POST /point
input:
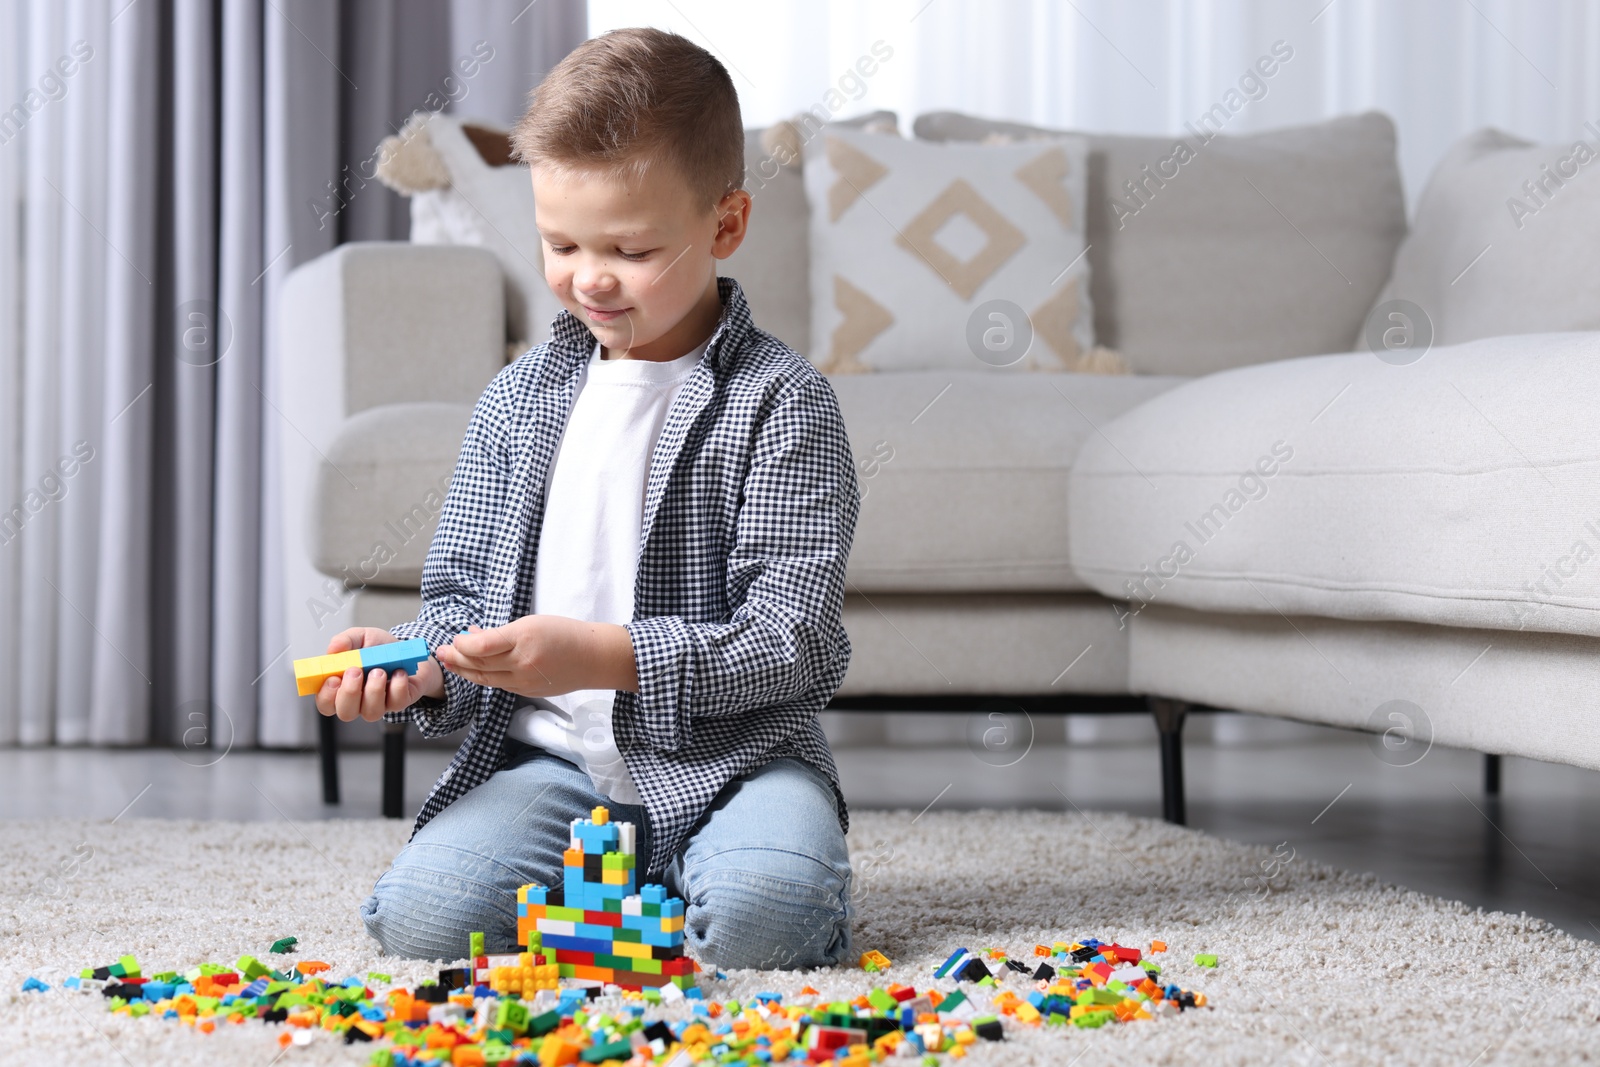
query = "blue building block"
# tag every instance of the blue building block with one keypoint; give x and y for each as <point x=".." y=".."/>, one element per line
<point x="595" y="839"/>
<point x="951" y="961"/>
<point x="395" y="656"/>
<point x="595" y="931"/>
<point x="574" y="894"/>
<point x="33" y="985"/>
<point x="660" y="938"/>
<point x="576" y="944"/>
<point x="653" y="894"/>
<point x="537" y="895"/>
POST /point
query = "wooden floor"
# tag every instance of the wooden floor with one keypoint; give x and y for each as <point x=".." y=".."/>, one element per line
<point x="1321" y="793"/>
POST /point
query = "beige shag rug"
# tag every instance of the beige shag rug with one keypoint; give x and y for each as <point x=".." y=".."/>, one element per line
<point x="1317" y="966"/>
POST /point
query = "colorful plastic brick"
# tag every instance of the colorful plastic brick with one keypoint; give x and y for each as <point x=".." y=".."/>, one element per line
<point x="596" y="926"/>
<point x="310" y="673"/>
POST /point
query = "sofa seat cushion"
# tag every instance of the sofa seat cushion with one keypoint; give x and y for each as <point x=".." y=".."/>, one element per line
<point x="963" y="479"/>
<point x="963" y="474"/>
<point x="1458" y="490"/>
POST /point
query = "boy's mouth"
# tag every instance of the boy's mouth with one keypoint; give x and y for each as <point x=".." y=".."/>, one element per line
<point x="604" y="314"/>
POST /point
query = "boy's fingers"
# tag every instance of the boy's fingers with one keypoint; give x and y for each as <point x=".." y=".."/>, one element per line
<point x="399" y="691"/>
<point x="347" y="701"/>
<point x="480" y="644"/>
<point x="330" y="686"/>
<point x="376" y="694"/>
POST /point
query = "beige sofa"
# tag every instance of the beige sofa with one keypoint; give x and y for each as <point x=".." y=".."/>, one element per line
<point x="1016" y="547"/>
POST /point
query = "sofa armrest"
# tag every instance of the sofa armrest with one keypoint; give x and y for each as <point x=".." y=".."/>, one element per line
<point x="381" y="322"/>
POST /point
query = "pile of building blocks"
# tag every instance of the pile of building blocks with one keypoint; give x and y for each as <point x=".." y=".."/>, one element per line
<point x="463" y="1021"/>
<point x="1087" y="983"/>
<point x="596" y="926"/>
<point x="309" y="674"/>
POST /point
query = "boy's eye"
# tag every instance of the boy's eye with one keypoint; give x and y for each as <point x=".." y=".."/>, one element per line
<point x="567" y="250"/>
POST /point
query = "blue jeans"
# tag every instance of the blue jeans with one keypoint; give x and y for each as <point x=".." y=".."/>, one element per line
<point x="764" y="875"/>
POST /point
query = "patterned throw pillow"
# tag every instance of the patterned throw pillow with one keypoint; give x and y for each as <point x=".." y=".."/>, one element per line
<point x="947" y="256"/>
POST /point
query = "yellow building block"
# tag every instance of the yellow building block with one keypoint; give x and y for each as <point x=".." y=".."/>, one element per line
<point x="309" y="674"/>
<point x="671" y="924"/>
<point x="614" y="877"/>
<point x="630" y="949"/>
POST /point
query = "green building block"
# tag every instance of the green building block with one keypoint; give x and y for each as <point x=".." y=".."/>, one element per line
<point x="617" y="1050"/>
<point x="380" y="977"/>
<point x="953" y="1001"/>
<point x="1094" y="1019"/>
<point x="539" y="1025"/>
<point x="475" y="944"/>
<point x="1206" y="959"/>
<point x="284" y="944"/>
<point x="882" y="1000"/>
<point x="251" y="968"/>
<point x="513" y="1016"/>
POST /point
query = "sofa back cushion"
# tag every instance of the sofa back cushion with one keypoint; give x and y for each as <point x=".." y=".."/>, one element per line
<point x="1234" y="250"/>
<point x="947" y="256"/>
<point x="1505" y="240"/>
<point x="773" y="265"/>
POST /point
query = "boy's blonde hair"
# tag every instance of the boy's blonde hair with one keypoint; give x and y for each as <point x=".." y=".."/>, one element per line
<point x="631" y="99"/>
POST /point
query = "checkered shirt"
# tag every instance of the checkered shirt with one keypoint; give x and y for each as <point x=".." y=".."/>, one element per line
<point x="750" y="509"/>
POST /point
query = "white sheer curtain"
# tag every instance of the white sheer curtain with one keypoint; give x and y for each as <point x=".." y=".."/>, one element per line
<point x="1439" y="67"/>
<point x="163" y="165"/>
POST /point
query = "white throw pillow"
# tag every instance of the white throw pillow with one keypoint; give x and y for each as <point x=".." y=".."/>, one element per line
<point x="1505" y="240"/>
<point x="947" y="256"/>
<point x="492" y="208"/>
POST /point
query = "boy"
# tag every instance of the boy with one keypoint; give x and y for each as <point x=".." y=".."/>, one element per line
<point x="636" y="585"/>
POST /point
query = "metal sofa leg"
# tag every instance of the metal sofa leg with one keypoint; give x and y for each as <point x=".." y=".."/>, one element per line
<point x="394" y="769"/>
<point x="328" y="750"/>
<point x="1169" y="716"/>
<point x="1491" y="774"/>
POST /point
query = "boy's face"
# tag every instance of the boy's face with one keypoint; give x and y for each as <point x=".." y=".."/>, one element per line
<point x="634" y="260"/>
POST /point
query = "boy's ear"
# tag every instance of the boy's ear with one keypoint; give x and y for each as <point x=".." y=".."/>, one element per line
<point x="733" y="222"/>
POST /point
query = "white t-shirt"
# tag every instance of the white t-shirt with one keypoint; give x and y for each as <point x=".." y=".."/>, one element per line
<point x="588" y="554"/>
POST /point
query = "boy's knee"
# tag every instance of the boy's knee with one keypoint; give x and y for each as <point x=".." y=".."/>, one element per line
<point x="425" y="907"/>
<point x="791" y="914"/>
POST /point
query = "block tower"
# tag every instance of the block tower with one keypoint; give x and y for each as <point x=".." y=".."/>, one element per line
<point x="596" y="926"/>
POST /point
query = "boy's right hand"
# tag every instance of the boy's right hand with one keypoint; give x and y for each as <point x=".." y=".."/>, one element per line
<point x="348" y="696"/>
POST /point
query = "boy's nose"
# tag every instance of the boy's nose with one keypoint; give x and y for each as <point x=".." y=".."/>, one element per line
<point x="595" y="279"/>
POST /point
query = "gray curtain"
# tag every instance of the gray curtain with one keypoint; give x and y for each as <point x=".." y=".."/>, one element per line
<point x="165" y="165"/>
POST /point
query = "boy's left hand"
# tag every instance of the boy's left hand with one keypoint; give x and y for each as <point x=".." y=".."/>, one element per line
<point x="543" y="656"/>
